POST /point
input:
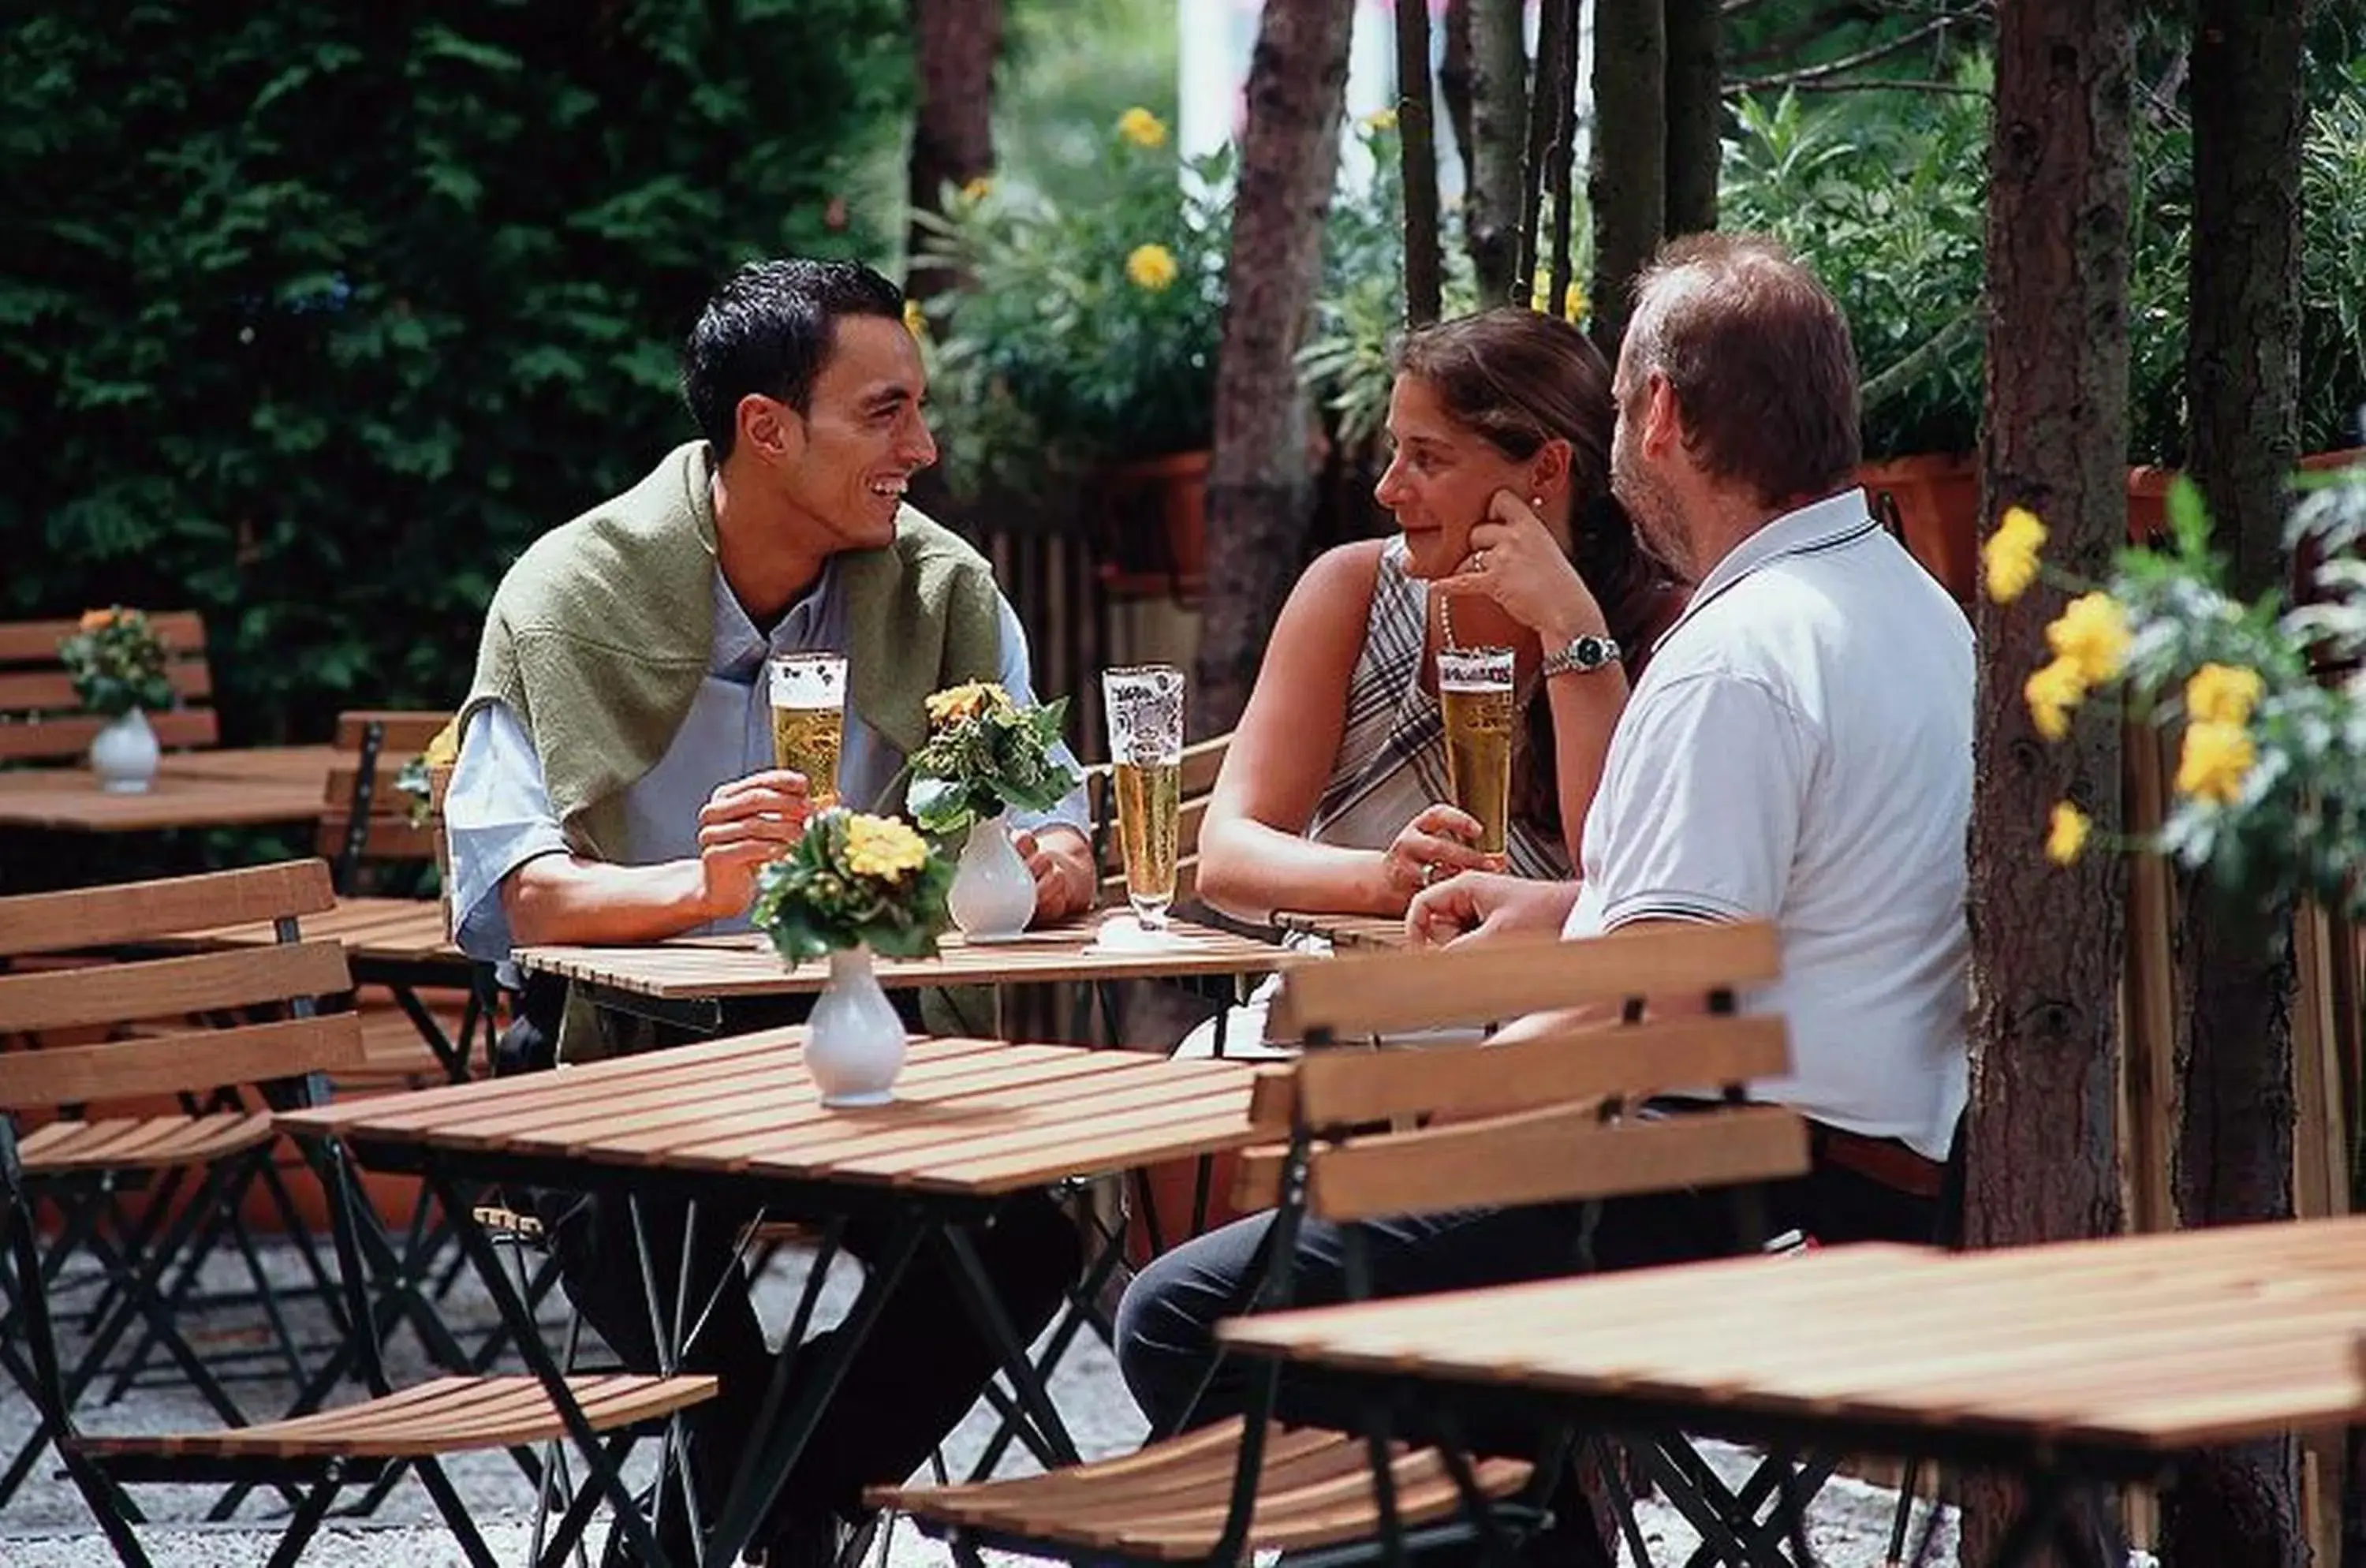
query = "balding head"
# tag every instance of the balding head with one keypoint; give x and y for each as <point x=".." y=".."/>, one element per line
<point x="1757" y="356"/>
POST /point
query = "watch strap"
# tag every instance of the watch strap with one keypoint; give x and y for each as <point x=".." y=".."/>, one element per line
<point x="1582" y="655"/>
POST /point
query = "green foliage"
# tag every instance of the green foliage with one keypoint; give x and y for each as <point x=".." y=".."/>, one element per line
<point x="1087" y="334"/>
<point x="855" y="881"/>
<point x="314" y="315"/>
<point x="116" y="662"/>
<point x="985" y="755"/>
<point x="1889" y="208"/>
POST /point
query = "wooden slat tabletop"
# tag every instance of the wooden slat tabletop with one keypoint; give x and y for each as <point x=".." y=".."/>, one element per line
<point x="1362" y="932"/>
<point x="274" y="764"/>
<point x="2152" y="1343"/>
<point x="391" y="929"/>
<point x="185" y="794"/>
<point x="971" y="1117"/>
<point x="697" y="969"/>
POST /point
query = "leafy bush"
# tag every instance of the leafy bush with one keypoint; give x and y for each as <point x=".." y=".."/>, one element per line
<point x="312" y="316"/>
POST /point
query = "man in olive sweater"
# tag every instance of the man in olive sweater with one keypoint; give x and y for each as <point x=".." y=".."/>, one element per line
<point x="616" y="785"/>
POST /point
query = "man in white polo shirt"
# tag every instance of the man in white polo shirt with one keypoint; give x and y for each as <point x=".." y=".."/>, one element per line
<point x="1798" y="748"/>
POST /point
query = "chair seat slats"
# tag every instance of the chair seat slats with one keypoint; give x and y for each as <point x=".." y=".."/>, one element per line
<point x="146" y="1143"/>
<point x="1167" y="1501"/>
<point x="445" y="1416"/>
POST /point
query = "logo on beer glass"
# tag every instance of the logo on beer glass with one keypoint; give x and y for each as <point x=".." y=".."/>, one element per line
<point x="809" y="692"/>
<point x="1144" y="707"/>
<point x="1474" y="688"/>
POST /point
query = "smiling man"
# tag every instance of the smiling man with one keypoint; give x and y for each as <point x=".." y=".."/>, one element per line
<point x="616" y="785"/>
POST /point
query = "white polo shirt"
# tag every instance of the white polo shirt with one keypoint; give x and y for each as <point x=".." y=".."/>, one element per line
<point x="1800" y="749"/>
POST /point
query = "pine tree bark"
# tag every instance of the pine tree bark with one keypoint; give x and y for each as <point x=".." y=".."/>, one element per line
<point x="1696" y="113"/>
<point x="1499" y="125"/>
<point x="2046" y="939"/>
<point x="2240" y="1507"/>
<point x="1627" y="184"/>
<point x="955" y="44"/>
<point x="1260" y="487"/>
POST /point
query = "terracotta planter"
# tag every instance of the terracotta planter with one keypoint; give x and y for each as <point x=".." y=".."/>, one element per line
<point x="1151" y="527"/>
<point x="2149" y="493"/>
<point x="1938" y="510"/>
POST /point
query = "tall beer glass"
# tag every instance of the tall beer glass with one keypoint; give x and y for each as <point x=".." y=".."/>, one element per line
<point x="1145" y="728"/>
<point x="1474" y="687"/>
<point x="809" y="720"/>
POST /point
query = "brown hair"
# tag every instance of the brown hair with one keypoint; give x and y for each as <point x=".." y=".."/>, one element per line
<point x="1758" y="355"/>
<point x="1518" y="379"/>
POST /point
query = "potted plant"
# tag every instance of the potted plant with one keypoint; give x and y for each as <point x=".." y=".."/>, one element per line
<point x="986" y="756"/>
<point x="854" y="885"/>
<point x="116" y="663"/>
<point x="1083" y="349"/>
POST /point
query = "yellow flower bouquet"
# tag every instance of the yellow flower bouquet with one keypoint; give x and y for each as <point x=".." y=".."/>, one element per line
<point x="984" y="755"/>
<point x="2271" y="745"/>
<point x="853" y="881"/>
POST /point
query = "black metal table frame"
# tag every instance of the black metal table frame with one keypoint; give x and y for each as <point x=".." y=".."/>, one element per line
<point x="2061" y="1482"/>
<point x="918" y="1219"/>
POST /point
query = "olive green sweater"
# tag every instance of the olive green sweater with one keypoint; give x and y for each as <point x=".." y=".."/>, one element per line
<point x="599" y="635"/>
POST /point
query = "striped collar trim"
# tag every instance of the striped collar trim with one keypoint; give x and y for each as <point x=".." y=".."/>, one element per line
<point x="1834" y="523"/>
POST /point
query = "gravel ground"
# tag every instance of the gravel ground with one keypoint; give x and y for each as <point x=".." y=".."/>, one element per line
<point x="46" y="1524"/>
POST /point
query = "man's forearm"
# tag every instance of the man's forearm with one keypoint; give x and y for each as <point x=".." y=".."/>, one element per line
<point x="562" y="899"/>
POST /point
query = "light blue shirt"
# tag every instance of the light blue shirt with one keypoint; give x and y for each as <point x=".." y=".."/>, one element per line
<point x="497" y="813"/>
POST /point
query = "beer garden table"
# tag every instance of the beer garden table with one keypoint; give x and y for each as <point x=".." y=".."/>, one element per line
<point x="693" y="983"/>
<point x="192" y="789"/>
<point x="2071" y="1366"/>
<point x="1364" y="933"/>
<point x="974" y="1122"/>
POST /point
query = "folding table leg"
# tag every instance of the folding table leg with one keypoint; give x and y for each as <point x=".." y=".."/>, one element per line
<point x="1083" y="1307"/>
<point x="977" y="1292"/>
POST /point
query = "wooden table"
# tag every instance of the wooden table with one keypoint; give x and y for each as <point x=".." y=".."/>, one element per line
<point x="2071" y="1365"/>
<point x="974" y="1122"/>
<point x="192" y="789"/>
<point x="1362" y="932"/>
<point x="688" y="981"/>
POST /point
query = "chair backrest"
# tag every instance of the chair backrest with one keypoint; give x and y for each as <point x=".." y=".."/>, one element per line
<point x="368" y="817"/>
<point x="40" y="718"/>
<point x="1202" y="760"/>
<point x="1560" y="1117"/>
<point x="287" y="979"/>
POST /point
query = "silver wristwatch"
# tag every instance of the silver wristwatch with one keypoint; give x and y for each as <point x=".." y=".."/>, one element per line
<point x="1582" y="656"/>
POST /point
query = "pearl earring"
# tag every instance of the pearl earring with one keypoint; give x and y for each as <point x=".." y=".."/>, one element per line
<point x="1536" y="504"/>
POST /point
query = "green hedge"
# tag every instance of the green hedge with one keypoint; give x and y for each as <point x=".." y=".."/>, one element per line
<point x="311" y="316"/>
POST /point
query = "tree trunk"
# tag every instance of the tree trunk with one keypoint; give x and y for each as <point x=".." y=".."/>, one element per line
<point x="2046" y="939"/>
<point x="1456" y="73"/>
<point x="955" y="43"/>
<point x="1627" y="184"/>
<point x="1260" y="489"/>
<point x="1499" y="124"/>
<point x="1695" y="114"/>
<point x="1417" y="145"/>
<point x="2240" y="1507"/>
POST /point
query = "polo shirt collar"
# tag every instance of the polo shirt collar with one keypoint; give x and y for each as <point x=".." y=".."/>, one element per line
<point x="1835" y="519"/>
<point x="739" y="649"/>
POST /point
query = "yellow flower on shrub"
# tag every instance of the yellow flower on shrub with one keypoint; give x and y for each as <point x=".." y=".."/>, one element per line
<point x="882" y="846"/>
<point x="2091" y="633"/>
<point x="2067" y="834"/>
<point x="2051" y="694"/>
<point x="2216" y="759"/>
<point x="977" y="190"/>
<point x="1380" y="119"/>
<point x="966" y="701"/>
<point x="1142" y="128"/>
<point x="444" y="747"/>
<point x="2009" y="555"/>
<point x="916" y="321"/>
<point x="2223" y="693"/>
<point x="1573" y="303"/>
<point x="1150" y="267"/>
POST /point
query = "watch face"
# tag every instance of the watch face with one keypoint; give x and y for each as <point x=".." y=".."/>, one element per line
<point x="1589" y="653"/>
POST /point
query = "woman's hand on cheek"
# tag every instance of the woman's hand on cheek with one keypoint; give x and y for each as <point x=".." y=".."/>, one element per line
<point x="1516" y="561"/>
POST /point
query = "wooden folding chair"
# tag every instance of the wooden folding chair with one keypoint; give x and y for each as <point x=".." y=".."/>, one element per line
<point x="285" y="1059"/>
<point x="42" y="719"/>
<point x="1552" y="1120"/>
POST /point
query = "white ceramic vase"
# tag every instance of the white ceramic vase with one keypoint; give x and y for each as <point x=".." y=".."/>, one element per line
<point x="993" y="895"/>
<point x="855" y="1041"/>
<point x="124" y="754"/>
